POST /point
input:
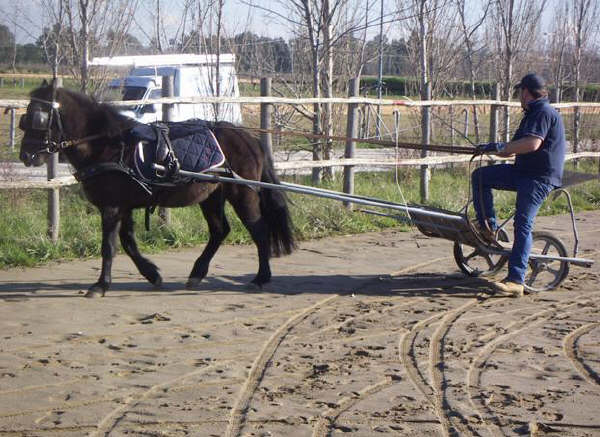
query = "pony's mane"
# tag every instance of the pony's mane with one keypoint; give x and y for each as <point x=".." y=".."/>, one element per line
<point x="103" y="114"/>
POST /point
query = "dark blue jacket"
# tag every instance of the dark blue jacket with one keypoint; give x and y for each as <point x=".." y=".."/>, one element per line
<point x="546" y="164"/>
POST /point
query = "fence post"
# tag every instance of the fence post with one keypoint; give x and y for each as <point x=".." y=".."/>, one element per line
<point x="53" y="193"/>
<point x="168" y="110"/>
<point x="494" y="115"/>
<point x="351" y="132"/>
<point x="425" y="140"/>
<point x="576" y="126"/>
<point x="452" y="133"/>
<point x="466" y="111"/>
<point x="12" y="128"/>
<point x="266" y="111"/>
<point x="367" y="121"/>
<point x="556" y="94"/>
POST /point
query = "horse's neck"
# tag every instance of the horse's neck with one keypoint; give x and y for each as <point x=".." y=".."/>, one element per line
<point x="96" y="149"/>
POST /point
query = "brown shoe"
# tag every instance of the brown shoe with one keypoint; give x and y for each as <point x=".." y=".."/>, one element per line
<point x="508" y="288"/>
<point x="485" y="233"/>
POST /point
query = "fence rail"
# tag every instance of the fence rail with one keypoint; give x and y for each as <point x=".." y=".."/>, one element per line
<point x="349" y="162"/>
<point x="65" y="181"/>
<point x="20" y="104"/>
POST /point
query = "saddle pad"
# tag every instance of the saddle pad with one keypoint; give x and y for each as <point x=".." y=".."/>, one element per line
<point x="193" y="143"/>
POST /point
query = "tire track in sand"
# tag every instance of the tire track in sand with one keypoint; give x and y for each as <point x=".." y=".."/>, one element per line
<point x="436" y="366"/>
<point x="327" y="420"/>
<point x="473" y="376"/>
<point x="406" y="346"/>
<point x="112" y="419"/>
<point x="239" y="410"/>
<point x="570" y="350"/>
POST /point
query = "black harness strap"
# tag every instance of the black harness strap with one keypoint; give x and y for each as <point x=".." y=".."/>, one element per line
<point x="104" y="167"/>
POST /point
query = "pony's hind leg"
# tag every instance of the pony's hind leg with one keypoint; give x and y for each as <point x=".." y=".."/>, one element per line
<point x="147" y="268"/>
<point x="246" y="203"/>
<point x="213" y="209"/>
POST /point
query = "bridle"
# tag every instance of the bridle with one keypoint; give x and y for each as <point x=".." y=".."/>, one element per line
<point x="41" y="120"/>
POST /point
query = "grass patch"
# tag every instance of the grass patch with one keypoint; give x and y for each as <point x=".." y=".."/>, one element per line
<point x="23" y="240"/>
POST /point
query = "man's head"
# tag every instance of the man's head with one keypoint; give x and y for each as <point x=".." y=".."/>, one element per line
<point x="531" y="87"/>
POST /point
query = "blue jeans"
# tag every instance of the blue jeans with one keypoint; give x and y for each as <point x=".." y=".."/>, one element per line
<point x="531" y="193"/>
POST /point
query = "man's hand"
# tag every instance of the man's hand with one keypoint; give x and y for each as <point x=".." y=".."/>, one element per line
<point x="481" y="149"/>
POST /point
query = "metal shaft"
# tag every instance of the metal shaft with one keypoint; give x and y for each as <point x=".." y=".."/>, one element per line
<point x="318" y="192"/>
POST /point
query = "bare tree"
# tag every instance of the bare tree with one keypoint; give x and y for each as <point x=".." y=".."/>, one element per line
<point x="583" y="21"/>
<point x="434" y="41"/>
<point x="515" y="24"/>
<point x="53" y="41"/>
<point x="88" y="23"/>
<point x="158" y="28"/>
<point x="472" y="47"/>
<point x="15" y="19"/>
<point x="557" y="48"/>
<point x="321" y="28"/>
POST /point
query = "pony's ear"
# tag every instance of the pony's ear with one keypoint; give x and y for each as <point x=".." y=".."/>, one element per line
<point x="44" y="82"/>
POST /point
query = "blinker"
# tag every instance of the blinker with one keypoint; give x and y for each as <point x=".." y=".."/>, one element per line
<point x="39" y="120"/>
<point x="36" y="120"/>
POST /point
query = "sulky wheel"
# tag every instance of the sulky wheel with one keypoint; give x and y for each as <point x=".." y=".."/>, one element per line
<point x="473" y="261"/>
<point x="544" y="275"/>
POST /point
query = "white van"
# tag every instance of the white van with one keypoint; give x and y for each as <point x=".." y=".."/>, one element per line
<point x="193" y="75"/>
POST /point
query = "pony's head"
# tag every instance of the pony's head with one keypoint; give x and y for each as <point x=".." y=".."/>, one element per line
<point x="41" y="125"/>
<point x="57" y="118"/>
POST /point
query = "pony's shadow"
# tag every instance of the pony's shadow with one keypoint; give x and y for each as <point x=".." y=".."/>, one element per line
<point x="409" y="285"/>
<point x="17" y="290"/>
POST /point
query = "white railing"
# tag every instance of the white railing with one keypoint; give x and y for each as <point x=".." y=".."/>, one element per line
<point x="266" y="101"/>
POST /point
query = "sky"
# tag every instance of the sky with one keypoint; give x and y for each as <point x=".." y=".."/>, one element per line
<point x="238" y="17"/>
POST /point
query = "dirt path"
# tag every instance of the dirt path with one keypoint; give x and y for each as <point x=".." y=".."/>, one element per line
<point x="362" y="335"/>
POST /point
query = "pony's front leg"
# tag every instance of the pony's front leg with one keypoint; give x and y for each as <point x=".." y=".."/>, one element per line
<point x="111" y="222"/>
<point x="145" y="266"/>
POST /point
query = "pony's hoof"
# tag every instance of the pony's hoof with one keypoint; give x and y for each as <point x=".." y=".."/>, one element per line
<point x="158" y="283"/>
<point x="253" y="286"/>
<point x="193" y="283"/>
<point x="94" y="292"/>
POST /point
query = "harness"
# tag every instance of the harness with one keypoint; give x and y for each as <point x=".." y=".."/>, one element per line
<point x="139" y="167"/>
<point x="41" y="120"/>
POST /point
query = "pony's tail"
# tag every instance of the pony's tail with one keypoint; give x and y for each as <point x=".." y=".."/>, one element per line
<point x="274" y="209"/>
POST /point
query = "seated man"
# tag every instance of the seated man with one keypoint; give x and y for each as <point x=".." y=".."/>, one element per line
<point x="539" y="146"/>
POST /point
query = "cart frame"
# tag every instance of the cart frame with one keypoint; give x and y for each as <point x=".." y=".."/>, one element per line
<point x="439" y="223"/>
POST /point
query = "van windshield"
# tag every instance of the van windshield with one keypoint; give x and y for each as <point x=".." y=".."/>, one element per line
<point x="133" y="93"/>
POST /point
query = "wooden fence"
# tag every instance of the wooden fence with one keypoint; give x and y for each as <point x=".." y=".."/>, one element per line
<point x="266" y="102"/>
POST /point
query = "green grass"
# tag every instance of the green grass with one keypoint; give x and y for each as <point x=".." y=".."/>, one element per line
<point x="23" y="240"/>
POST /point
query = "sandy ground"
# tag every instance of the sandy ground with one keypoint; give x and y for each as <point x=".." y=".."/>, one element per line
<point x="361" y="335"/>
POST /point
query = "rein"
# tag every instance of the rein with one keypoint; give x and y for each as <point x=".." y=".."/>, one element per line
<point x="415" y="146"/>
<point x="61" y="145"/>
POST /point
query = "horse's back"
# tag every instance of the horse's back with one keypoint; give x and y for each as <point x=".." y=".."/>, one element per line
<point x="242" y="150"/>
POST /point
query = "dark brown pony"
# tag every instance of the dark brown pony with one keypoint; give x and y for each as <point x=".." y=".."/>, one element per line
<point x="90" y="133"/>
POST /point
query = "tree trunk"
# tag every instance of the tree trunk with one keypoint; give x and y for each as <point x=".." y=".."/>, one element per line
<point x="425" y="95"/>
<point x="85" y="30"/>
<point x="218" y="53"/>
<point x="327" y="86"/>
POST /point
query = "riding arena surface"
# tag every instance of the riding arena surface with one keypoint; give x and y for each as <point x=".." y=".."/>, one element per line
<point x="364" y="335"/>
